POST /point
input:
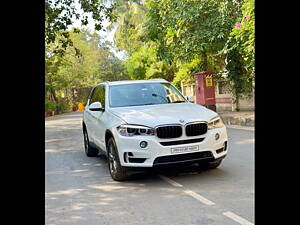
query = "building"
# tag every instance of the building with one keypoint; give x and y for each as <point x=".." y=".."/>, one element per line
<point x="224" y="97"/>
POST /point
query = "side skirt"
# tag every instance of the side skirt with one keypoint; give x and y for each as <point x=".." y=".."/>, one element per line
<point x="101" y="151"/>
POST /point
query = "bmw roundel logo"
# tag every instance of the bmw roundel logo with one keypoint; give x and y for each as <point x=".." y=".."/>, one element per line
<point x="181" y="121"/>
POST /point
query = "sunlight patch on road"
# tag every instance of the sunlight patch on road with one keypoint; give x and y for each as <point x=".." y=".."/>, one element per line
<point x="52" y="150"/>
<point x="58" y="139"/>
<point x="108" y="187"/>
<point x="66" y="192"/>
<point x="79" y="171"/>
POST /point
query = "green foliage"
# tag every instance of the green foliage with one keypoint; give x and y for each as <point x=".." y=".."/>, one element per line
<point x="239" y="52"/>
<point x="161" y="69"/>
<point x="170" y="39"/>
<point x="186" y="71"/>
<point x="143" y="64"/>
<point x="174" y="39"/>
<point x="67" y="75"/>
<point x="244" y="34"/>
<point x="129" y="33"/>
<point x="61" y="107"/>
<point x="59" y="15"/>
<point x="113" y="69"/>
<point x="50" y="106"/>
<point x="237" y="73"/>
<point x="140" y="62"/>
<point x="186" y="29"/>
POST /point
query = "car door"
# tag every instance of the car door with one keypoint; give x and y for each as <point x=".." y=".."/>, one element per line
<point x="88" y="116"/>
<point x="93" y="115"/>
<point x="99" y="130"/>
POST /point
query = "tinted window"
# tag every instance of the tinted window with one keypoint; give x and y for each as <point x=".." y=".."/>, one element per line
<point x="143" y="94"/>
<point x="98" y="95"/>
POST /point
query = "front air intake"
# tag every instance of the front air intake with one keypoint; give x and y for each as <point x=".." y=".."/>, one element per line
<point x="196" y="156"/>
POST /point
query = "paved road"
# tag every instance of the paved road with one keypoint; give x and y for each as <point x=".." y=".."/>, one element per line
<point x="79" y="189"/>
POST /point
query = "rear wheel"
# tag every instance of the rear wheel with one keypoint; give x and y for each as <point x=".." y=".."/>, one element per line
<point x="117" y="171"/>
<point x="89" y="151"/>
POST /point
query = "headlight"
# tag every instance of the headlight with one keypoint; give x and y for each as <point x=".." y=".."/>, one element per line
<point x="131" y="130"/>
<point x="215" y="122"/>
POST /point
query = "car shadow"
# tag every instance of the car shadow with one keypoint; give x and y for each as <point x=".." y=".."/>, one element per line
<point x="172" y="171"/>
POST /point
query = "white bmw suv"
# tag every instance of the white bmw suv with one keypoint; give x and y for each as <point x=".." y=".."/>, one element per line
<point x="149" y="123"/>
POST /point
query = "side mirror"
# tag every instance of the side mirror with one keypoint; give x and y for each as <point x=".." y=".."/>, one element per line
<point x="96" y="106"/>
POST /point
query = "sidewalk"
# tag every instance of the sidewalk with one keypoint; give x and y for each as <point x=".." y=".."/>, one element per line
<point x="238" y="118"/>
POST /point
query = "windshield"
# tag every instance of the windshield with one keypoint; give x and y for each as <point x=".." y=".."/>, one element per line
<point x="143" y="94"/>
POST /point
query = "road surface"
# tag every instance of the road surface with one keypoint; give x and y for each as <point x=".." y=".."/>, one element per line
<point x="79" y="189"/>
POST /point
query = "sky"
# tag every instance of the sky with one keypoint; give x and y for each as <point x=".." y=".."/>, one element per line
<point x="107" y="35"/>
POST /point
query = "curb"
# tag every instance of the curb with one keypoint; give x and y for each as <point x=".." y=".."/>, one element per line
<point x="240" y="121"/>
<point x="240" y="127"/>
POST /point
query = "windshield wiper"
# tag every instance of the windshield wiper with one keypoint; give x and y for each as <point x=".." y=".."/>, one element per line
<point x="178" y="101"/>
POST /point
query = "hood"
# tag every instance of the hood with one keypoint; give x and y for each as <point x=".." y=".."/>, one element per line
<point x="154" y="115"/>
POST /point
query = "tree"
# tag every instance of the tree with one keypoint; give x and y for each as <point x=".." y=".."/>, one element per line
<point x="68" y="73"/>
<point x="239" y="51"/>
<point x="187" y="29"/>
<point x="129" y="26"/>
<point x="59" y="15"/>
<point x="143" y="64"/>
<point x="173" y="39"/>
<point x="240" y="82"/>
<point x="140" y="61"/>
<point x="243" y="33"/>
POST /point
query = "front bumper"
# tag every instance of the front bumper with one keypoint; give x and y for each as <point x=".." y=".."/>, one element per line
<point x="145" y="157"/>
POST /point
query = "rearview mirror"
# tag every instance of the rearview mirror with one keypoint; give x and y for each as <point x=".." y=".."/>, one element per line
<point x="96" y="106"/>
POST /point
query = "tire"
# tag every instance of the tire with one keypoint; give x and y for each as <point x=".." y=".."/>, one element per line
<point x="89" y="150"/>
<point x="117" y="172"/>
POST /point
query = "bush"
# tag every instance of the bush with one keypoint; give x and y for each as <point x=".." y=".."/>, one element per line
<point x="50" y="106"/>
<point x="57" y="107"/>
<point x="61" y="107"/>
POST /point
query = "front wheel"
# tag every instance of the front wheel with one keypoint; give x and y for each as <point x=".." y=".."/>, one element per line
<point x="117" y="171"/>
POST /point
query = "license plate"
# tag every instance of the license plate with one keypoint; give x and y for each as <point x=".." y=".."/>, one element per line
<point x="193" y="148"/>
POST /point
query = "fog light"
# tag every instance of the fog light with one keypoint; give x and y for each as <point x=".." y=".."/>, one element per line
<point x="217" y="136"/>
<point x="143" y="144"/>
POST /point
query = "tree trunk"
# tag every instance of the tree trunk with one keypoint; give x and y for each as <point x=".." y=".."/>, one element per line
<point x="237" y="103"/>
<point x="52" y="92"/>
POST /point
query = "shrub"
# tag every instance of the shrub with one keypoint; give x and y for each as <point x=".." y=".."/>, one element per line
<point x="50" y="106"/>
<point x="61" y="107"/>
